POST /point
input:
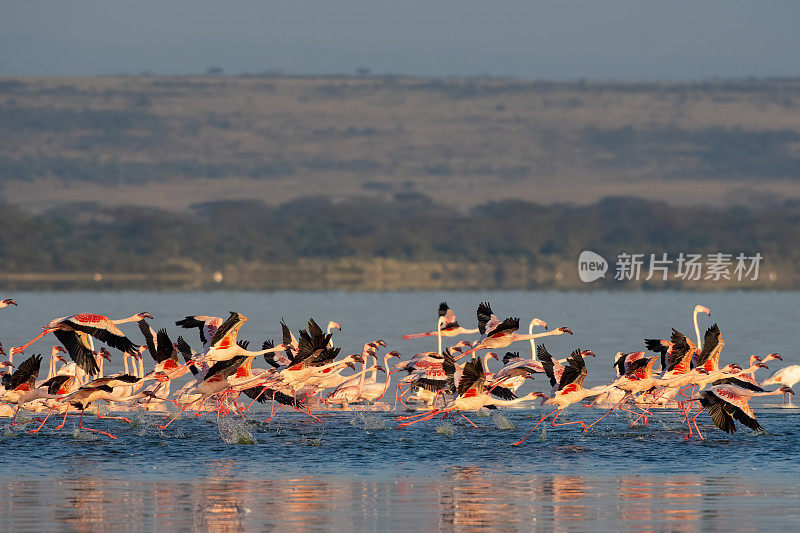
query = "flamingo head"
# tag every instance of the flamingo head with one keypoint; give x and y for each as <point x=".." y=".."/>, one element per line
<point x="539" y="322"/>
<point x="350" y="365"/>
<point x="61" y="358"/>
<point x="393" y="353"/>
<point x="772" y="356"/>
<point x="9" y="301"/>
<point x="358" y="358"/>
<point x="332" y="325"/>
<point x="380" y="342"/>
<point x="493" y="355"/>
<point x="380" y="367"/>
<point x="144" y="315"/>
<point x="733" y="367"/>
<point x="760" y="365"/>
<point x="786" y="389"/>
<point x="6" y="364"/>
<point x="701" y="370"/>
<point x="57" y="349"/>
<point x="538" y="395"/>
<point x="587" y="353"/>
<point x="702" y="309"/>
<point x="105" y="354"/>
<point x="565" y="329"/>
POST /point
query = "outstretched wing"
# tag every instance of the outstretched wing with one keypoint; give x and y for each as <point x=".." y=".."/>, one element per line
<point x="78" y="351"/>
<point x="574" y="371"/>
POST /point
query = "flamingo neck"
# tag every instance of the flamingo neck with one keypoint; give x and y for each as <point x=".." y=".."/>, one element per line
<point x="697" y="330"/>
<point x="134" y="318"/>
<point x="52" y="365"/>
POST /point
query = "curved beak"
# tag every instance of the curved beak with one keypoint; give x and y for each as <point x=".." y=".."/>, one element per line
<point x="9" y="301"/>
<point x="702" y="309"/>
<point x="350" y="364"/>
<point x="565" y="329"/>
<point x="105" y="354"/>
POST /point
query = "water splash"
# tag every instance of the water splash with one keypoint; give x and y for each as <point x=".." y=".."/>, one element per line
<point x="368" y="422"/>
<point x="445" y="429"/>
<point x="235" y="431"/>
<point x="501" y="422"/>
<point x="482" y="413"/>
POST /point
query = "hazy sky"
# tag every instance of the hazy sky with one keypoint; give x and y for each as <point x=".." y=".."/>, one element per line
<point x="619" y="39"/>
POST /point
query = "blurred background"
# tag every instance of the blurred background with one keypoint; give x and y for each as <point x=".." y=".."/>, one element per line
<point x="407" y="145"/>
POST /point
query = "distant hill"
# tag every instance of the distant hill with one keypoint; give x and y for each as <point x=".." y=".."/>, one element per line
<point x="173" y="142"/>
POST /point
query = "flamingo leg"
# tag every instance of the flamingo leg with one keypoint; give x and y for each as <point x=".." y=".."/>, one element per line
<point x="80" y="426"/>
<point x="183" y="408"/>
<point x="426" y="416"/>
<point x="45" y="420"/>
<point x="606" y="413"/>
<point x="273" y="411"/>
<point x="520" y="441"/>
<point x="13" y="423"/>
<point x="64" y="421"/>
<point x="114" y="418"/>
<point x="308" y="412"/>
<point x="467" y="419"/>
<point x="642" y="414"/>
<point x="553" y="422"/>
<point x="22" y="348"/>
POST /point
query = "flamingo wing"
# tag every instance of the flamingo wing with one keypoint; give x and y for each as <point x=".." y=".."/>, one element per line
<point x="104" y="331"/>
<point x="486" y="317"/>
<point x="509" y="325"/>
<point x="712" y="346"/>
<point x="75" y="344"/>
<point x="548" y="364"/>
<point x="721" y="418"/>
<point x="26" y="372"/>
<point x="472" y="376"/>
<point x="313" y="328"/>
<point x="55" y="384"/>
<point x="574" y="371"/>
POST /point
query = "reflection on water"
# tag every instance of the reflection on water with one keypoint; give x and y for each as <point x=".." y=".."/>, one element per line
<point x="465" y="498"/>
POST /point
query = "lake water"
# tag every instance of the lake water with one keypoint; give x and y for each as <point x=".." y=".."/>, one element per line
<point x="357" y="471"/>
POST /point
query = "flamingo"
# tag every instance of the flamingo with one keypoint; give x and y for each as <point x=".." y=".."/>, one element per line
<point x="373" y="392"/>
<point x="73" y="333"/>
<point x="223" y="345"/>
<point x="497" y="334"/>
<point x="449" y="327"/>
<point x="207" y="325"/>
<point x="566" y="390"/>
<point x="21" y="385"/>
<point x="105" y="390"/>
<point x="789" y="376"/>
<point x="472" y="391"/>
<point x="725" y="403"/>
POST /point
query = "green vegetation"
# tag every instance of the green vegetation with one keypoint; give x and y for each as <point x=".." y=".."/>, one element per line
<point x="410" y="242"/>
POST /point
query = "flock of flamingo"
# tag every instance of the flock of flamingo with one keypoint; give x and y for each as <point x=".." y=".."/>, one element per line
<point x="303" y="373"/>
